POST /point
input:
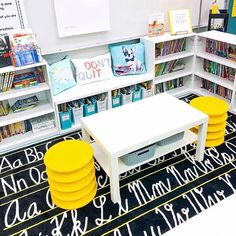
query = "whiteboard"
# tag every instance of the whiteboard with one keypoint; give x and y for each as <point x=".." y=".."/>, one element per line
<point x="128" y="20"/>
<point x="94" y="16"/>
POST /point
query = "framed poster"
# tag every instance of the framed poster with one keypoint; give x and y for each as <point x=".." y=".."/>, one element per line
<point x="12" y="16"/>
<point x="180" y="22"/>
<point x="218" y="21"/>
<point x="76" y="17"/>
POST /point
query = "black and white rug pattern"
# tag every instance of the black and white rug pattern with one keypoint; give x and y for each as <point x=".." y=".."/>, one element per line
<point x="156" y="197"/>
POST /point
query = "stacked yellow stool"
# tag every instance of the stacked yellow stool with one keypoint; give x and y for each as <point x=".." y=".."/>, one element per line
<point x="71" y="174"/>
<point x="216" y="109"/>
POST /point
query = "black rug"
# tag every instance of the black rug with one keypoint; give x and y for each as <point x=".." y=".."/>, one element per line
<point x="156" y="197"/>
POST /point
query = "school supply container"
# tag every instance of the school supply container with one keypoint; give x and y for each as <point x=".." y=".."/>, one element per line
<point x="136" y="95"/>
<point x="101" y="105"/>
<point x="65" y="119"/>
<point x="116" y="101"/>
<point x="140" y="155"/>
<point x="90" y="106"/>
<point x="77" y="108"/>
<point x="146" y="93"/>
<point x="126" y="98"/>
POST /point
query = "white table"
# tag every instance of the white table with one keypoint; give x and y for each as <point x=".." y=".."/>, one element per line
<point x="133" y="126"/>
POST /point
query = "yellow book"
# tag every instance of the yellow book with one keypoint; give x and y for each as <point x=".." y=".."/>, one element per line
<point x="180" y="22"/>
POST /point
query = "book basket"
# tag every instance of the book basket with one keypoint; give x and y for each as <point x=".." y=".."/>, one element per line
<point x="140" y="155"/>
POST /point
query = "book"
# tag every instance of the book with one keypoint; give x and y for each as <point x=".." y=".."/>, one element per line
<point x="156" y="25"/>
<point x="24" y="104"/>
<point x="180" y="22"/>
<point x="5" y="48"/>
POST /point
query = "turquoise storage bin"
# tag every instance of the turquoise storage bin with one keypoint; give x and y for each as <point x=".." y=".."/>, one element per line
<point x="140" y="155"/>
<point x="137" y="95"/>
<point x="116" y="101"/>
<point x="66" y="119"/>
<point x="171" y="139"/>
<point x="90" y="109"/>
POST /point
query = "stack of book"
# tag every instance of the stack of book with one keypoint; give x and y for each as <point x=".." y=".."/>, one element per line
<point x="42" y="123"/>
<point x="221" y="49"/>
<point x="216" y="89"/>
<point x="172" y="84"/>
<point x="219" y="70"/>
<point x="6" y="81"/>
<point x="168" y="67"/>
<point x="4" y="108"/>
<point x="24" y="104"/>
<point x="14" y="129"/>
<point x="169" y="47"/>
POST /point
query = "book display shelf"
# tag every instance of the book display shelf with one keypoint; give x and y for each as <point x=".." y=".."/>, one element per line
<point x="170" y="59"/>
<point x="215" y="66"/>
<point x="17" y="127"/>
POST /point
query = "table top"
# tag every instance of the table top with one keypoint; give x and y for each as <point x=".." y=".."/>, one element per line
<point x="130" y="127"/>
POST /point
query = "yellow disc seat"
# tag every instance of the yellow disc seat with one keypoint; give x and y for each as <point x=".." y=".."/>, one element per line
<point x="216" y="109"/>
<point x="71" y="173"/>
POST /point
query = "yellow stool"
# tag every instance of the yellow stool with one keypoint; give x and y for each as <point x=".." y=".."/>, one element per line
<point x="216" y="109"/>
<point x="71" y="173"/>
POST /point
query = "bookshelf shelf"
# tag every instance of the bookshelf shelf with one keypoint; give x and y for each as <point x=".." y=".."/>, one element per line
<point x="26" y="139"/>
<point x="217" y="59"/>
<point x="21" y="68"/>
<point x="91" y="89"/>
<point x="172" y="76"/>
<point x="167" y="37"/>
<point x="216" y="79"/>
<point x="24" y="91"/>
<point x="174" y="56"/>
<point x="181" y="91"/>
<point x="42" y="108"/>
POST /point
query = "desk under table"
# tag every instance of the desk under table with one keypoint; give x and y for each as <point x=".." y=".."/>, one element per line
<point x="122" y="130"/>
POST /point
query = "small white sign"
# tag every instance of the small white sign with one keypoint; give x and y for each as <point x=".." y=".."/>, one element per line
<point x="12" y="16"/>
<point x="77" y="17"/>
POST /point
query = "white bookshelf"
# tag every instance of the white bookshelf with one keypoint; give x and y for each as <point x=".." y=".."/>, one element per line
<point x="199" y="72"/>
<point x="44" y="106"/>
<point x="193" y="56"/>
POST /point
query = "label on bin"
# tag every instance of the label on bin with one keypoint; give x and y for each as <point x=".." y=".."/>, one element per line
<point x="116" y="101"/>
<point x="137" y="95"/>
<point x="91" y="108"/>
<point x="65" y="117"/>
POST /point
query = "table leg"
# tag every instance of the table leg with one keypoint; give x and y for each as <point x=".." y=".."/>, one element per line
<point x="85" y="135"/>
<point x="114" y="180"/>
<point x="201" y="140"/>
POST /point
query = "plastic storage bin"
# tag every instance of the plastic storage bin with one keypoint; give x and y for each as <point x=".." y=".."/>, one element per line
<point x="77" y="112"/>
<point x="126" y="98"/>
<point x="102" y="105"/>
<point x="90" y="109"/>
<point x="137" y="95"/>
<point x="140" y="155"/>
<point x="146" y="93"/>
<point x="171" y="139"/>
<point x="66" y="119"/>
<point x="116" y="101"/>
